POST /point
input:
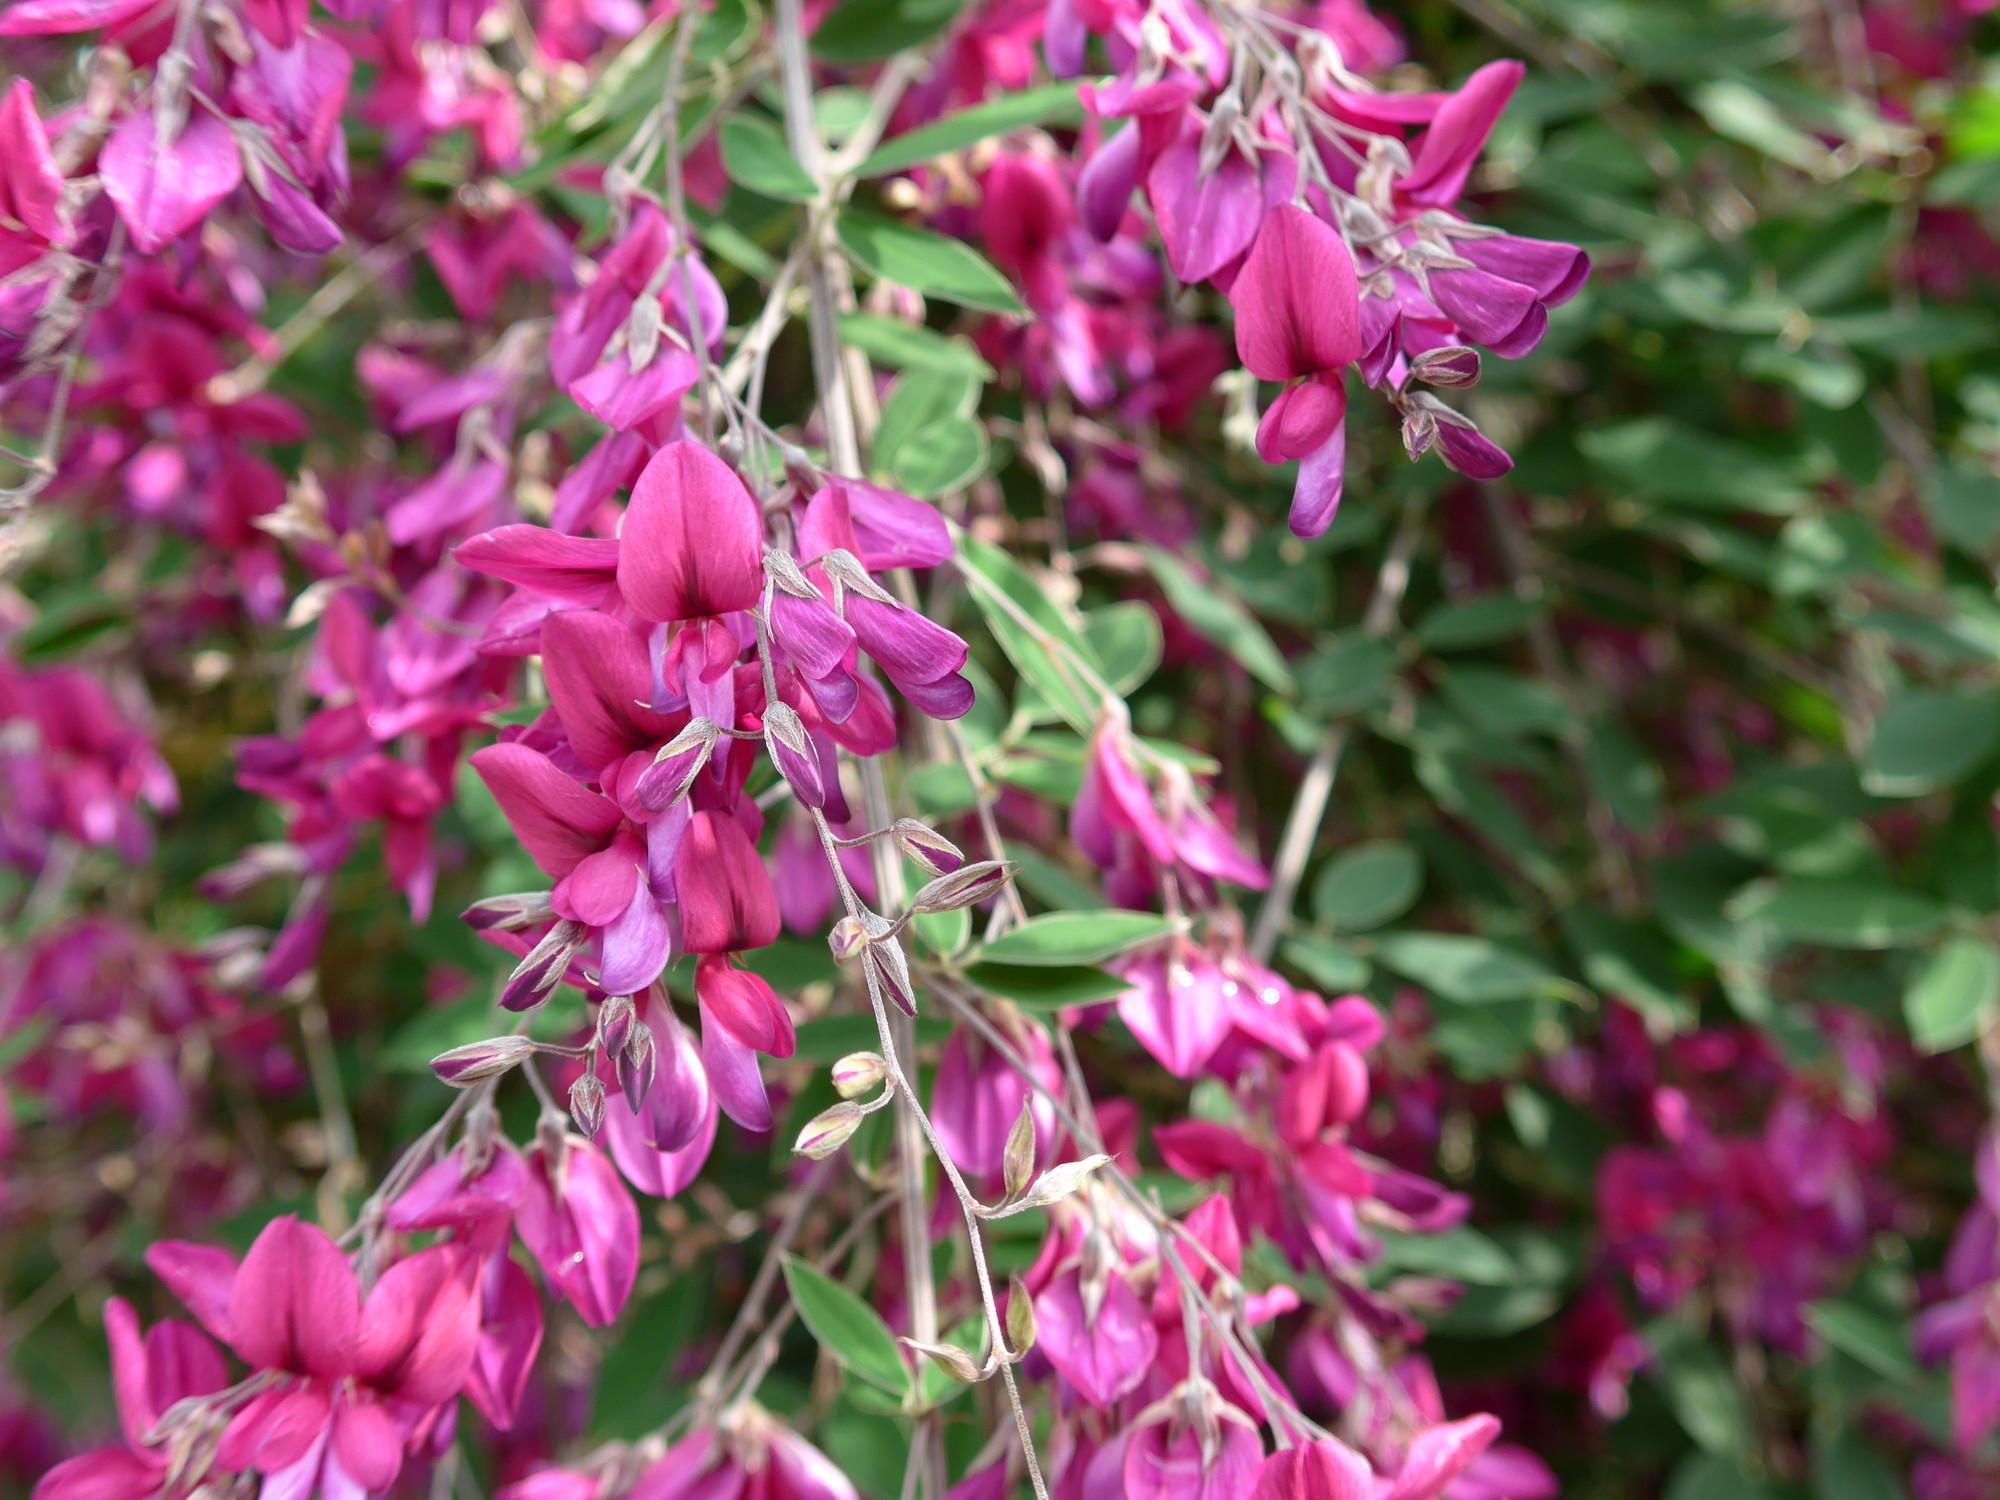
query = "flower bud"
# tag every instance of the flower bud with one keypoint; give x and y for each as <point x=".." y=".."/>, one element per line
<point x="515" y="913"/>
<point x="614" y="1023"/>
<point x="586" y="1105"/>
<point x="828" y="1131"/>
<point x="887" y="967"/>
<point x="535" y="978"/>
<point x="1419" y="433"/>
<point x="859" y="1073"/>
<point x="636" y="1063"/>
<point x="847" y="938"/>
<point x="476" y="1062"/>
<point x="1453" y="369"/>
<point x="1018" y="1161"/>
<point x="793" y="754"/>
<point x="926" y="846"/>
<point x="951" y="1359"/>
<point x="674" y="769"/>
<point x="1020" y="1316"/>
<point x="963" y="887"/>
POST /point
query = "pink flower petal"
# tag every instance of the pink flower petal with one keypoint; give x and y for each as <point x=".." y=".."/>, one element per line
<point x="693" y="541"/>
<point x="1297" y="304"/>
<point x="162" y="191"/>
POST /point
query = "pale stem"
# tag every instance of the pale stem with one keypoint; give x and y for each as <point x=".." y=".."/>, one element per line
<point x="1295" y="844"/>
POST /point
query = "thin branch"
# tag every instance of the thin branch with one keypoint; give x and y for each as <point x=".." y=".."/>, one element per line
<point x="1316" y="787"/>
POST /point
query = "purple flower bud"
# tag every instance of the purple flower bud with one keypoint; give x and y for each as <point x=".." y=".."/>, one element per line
<point x="859" y="1073"/>
<point x="535" y="978"/>
<point x="1420" y="430"/>
<point x="515" y="913"/>
<point x="966" y="887"/>
<point x="1468" y="450"/>
<point x="927" y="846"/>
<point x="636" y="1063"/>
<point x="828" y="1131"/>
<point x="476" y="1062"/>
<point x="674" y="769"/>
<point x="614" y="1023"/>
<point x="586" y="1105"/>
<point x="888" y="968"/>
<point x="847" y="938"/>
<point x="1453" y="368"/>
<point x="797" y="762"/>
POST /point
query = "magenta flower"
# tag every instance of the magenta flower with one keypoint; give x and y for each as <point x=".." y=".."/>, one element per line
<point x="600" y="351"/>
<point x="1096" y="1332"/>
<point x="598" y="860"/>
<point x="580" y="1224"/>
<point x="1133" y="834"/>
<point x="1191" y="1445"/>
<point x="693" y="543"/>
<point x="1323" y="1470"/>
<point x="170" y="1363"/>
<point x="353" y="1384"/>
<point x="163" y="182"/>
<point x="977" y="1097"/>
<point x="31" y="184"/>
<point x="1298" y="322"/>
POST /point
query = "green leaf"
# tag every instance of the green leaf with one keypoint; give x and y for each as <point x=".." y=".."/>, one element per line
<point x="1837" y="912"/>
<point x="1954" y="993"/>
<point x="829" y="1038"/>
<point x="1326" y="962"/>
<point x="846" y="1327"/>
<point x="1049" y="652"/>
<point x="1368" y="885"/>
<point x="917" y="404"/>
<point x="1222" y="618"/>
<point x="926" y="262"/>
<point x="634" y="1384"/>
<point x="1461" y="789"/>
<point x="864" y="30"/>
<point x="1049" y="104"/>
<point x="1879" y="1342"/>
<point x="1128" y="641"/>
<point x="1349" y="674"/>
<point x="927" y="442"/>
<point x="1964" y="503"/>
<point x="1046" y="988"/>
<point x="1736" y="110"/>
<point x="1927" y="739"/>
<point x="1469" y="970"/>
<point x="1704" y="1395"/>
<point x="1625" y="776"/>
<point x="1505" y="703"/>
<point x="944" y="932"/>
<point x="1715" y="1476"/>
<point x="953" y="454"/>
<point x="755" y="155"/>
<point x="1482" y="621"/>
<point x="1660" y="459"/>
<point x="1462" y="1254"/>
<point x="79" y="620"/>
<point x="911" y="346"/>
<point x="1629" y="959"/>
<point x="1075" y="937"/>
